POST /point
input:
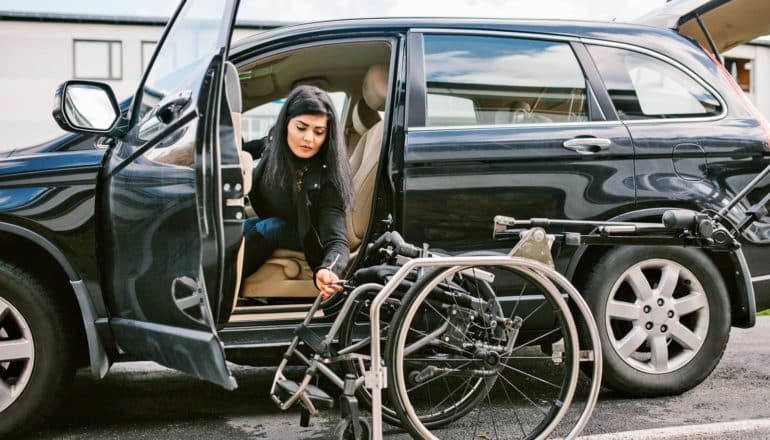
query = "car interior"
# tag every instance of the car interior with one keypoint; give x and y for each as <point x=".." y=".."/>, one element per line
<point x="503" y="105"/>
<point x="356" y="75"/>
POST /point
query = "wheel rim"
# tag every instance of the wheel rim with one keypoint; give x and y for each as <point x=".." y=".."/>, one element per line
<point x="657" y="316"/>
<point x="466" y="428"/>
<point x="17" y="354"/>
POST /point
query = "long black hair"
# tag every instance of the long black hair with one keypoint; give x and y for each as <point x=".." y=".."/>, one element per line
<point x="281" y="165"/>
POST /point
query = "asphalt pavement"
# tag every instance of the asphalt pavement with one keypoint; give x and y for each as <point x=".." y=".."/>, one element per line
<point x="141" y="400"/>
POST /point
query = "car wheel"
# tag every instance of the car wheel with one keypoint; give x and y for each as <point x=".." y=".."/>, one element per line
<point x="663" y="317"/>
<point x="35" y="357"/>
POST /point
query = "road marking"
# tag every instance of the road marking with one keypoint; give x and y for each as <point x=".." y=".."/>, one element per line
<point x="754" y="426"/>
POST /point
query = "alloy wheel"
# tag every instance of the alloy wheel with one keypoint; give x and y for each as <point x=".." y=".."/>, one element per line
<point x="17" y="354"/>
<point x="657" y="316"/>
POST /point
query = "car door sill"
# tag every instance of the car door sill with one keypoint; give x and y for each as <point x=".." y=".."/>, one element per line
<point x="271" y="316"/>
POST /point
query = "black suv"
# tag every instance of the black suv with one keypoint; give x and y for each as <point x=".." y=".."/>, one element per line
<point x="122" y="240"/>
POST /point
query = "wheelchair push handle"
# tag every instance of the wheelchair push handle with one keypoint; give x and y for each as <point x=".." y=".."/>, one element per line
<point x="400" y="246"/>
<point x="681" y="219"/>
<point x="678" y="219"/>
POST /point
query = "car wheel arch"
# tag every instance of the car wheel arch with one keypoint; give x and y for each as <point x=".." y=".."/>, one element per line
<point x="740" y="294"/>
<point x="46" y="261"/>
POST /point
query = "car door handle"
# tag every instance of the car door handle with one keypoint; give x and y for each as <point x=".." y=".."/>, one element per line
<point x="587" y="145"/>
<point x="168" y="109"/>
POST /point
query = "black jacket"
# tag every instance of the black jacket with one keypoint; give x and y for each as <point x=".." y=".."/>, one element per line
<point x="320" y="219"/>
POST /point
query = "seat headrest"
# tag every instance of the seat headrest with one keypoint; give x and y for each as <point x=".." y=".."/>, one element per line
<point x="375" y="87"/>
<point x="517" y="113"/>
<point x="233" y="87"/>
<point x="521" y="112"/>
<point x="520" y="105"/>
<point x="364" y="118"/>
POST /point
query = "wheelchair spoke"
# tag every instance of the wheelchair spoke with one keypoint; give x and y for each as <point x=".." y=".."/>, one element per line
<point x="531" y="341"/>
<point x="527" y="398"/>
<point x="531" y="376"/>
<point x="447" y="320"/>
<point x="436" y="378"/>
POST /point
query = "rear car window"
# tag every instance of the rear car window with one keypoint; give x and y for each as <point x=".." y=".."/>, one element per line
<point x="480" y="80"/>
<point x="643" y="87"/>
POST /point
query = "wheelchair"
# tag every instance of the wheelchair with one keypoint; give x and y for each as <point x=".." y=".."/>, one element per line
<point x="458" y="341"/>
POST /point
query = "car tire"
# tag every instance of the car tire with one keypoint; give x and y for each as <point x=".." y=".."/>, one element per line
<point x="37" y="324"/>
<point x="663" y="317"/>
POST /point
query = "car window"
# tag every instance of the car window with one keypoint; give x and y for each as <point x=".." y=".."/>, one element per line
<point x="480" y="80"/>
<point x="185" y="51"/>
<point x="450" y="110"/>
<point x="257" y="121"/>
<point x="643" y="87"/>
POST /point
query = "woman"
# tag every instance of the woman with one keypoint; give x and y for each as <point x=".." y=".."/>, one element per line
<point x="302" y="190"/>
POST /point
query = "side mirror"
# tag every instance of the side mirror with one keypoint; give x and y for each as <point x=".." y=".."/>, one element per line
<point x="86" y="107"/>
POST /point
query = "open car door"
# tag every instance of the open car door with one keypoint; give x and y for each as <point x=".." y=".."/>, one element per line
<point x="728" y="23"/>
<point x="172" y="201"/>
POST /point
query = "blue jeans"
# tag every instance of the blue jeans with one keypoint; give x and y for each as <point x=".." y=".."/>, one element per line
<point x="276" y="231"/>
<point x="263" y="236"/>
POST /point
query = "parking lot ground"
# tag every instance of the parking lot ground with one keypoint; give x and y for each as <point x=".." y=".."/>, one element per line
<point x="141" y="400"/>
<point x="744" y="429"/>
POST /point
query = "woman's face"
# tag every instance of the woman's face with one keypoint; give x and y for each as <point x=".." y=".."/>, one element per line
<point x="306" y="134"/>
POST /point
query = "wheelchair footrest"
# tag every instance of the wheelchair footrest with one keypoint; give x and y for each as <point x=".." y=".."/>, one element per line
<point x="288" y="388"/>
<point x="312" y="340"/>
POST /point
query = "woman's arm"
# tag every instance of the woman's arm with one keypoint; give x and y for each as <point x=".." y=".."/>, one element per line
<point x="332" y="231"/>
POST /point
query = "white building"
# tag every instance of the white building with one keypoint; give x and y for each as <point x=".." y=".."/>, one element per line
<point x="750" y="65"/>
<point x="39" y="51"/>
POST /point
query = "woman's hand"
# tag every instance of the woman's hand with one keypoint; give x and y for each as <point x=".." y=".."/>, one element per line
<point x="324" y="280"/>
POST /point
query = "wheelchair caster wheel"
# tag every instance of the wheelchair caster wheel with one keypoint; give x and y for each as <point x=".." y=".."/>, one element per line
<point x="304" y="418"/>
<point x="344" y="430"/>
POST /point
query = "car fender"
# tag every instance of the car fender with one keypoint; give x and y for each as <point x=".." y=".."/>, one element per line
<point x="98" y="359"/>
<point x="744" y="308"/>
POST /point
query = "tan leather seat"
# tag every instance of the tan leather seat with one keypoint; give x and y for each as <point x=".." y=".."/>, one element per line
<point x="286" y="273"/>
<point x="232" y="85"/>
<point x="362" y="119"/>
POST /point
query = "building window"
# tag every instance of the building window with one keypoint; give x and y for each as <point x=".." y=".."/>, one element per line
<point x="740" y="69"/>
<point x="148" y="48"/>
<point x="98" y="59"/>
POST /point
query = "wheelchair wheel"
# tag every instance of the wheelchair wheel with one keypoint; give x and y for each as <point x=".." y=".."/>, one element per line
<point x="462" y="349"/>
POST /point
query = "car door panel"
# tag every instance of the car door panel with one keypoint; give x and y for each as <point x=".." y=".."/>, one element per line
<point x="167" y="225"/>
<point x="522" y="172"/>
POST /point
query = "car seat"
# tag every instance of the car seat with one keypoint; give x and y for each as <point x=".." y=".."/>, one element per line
<point x="286" y="273"/>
